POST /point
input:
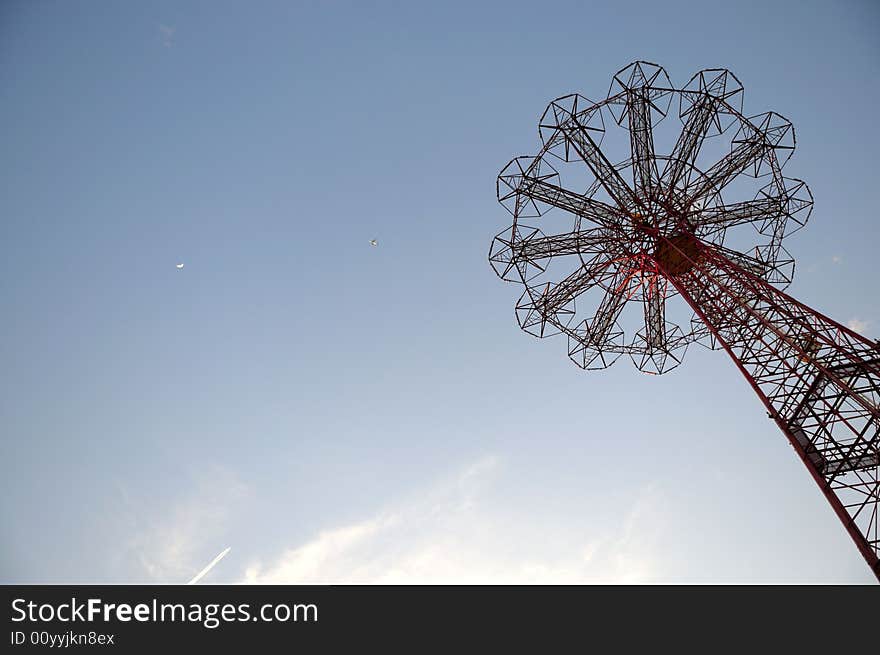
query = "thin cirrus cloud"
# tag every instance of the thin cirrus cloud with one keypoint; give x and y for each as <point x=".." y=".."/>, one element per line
<point x="449" y="533"/>
<point x="169" y="547"/>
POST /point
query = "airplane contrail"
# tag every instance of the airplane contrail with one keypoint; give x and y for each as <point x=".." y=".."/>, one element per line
<point x="210" y="566"/>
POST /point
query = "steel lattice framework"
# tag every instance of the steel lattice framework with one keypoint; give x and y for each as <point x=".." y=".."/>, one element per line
<point x="703" y="224"/>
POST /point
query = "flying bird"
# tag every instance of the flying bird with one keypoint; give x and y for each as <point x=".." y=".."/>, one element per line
<point x="210" y="566"/>
<point x="179" y="266"/>
<point x="373" y="242"/>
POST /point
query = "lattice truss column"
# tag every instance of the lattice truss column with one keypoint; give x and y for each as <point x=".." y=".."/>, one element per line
<point x="819" y="380"/>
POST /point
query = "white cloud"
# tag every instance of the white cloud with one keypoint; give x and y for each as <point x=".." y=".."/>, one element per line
<point x="171" y="548"/>
<point x="451" y="533"/>
<point x="858" y="325"/>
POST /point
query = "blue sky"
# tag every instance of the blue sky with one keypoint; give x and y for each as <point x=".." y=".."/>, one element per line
<point x="336" y="412"/>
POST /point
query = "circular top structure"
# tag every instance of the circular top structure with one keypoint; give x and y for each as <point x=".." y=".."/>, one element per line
<point x="623" y="190"/>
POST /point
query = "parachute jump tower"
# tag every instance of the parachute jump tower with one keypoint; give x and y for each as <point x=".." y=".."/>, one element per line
<point x="644" y="254"/>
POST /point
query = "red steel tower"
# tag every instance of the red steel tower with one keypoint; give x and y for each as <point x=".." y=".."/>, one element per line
<point x="702" y="227"/>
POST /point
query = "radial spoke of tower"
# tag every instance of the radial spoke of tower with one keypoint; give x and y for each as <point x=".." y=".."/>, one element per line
<point x="642" y="142"/>
<point x="745" y="154"/>
<point x="592" y="210"/>
<point x="609" y="310"/>
<point x="558" y="245"/>
<point x="684" y="154"/>
<point x="556" y="296"/>
<point x="655" y="323"/>
<point x="740" y="212"/>
<point x="607" y="175"/>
